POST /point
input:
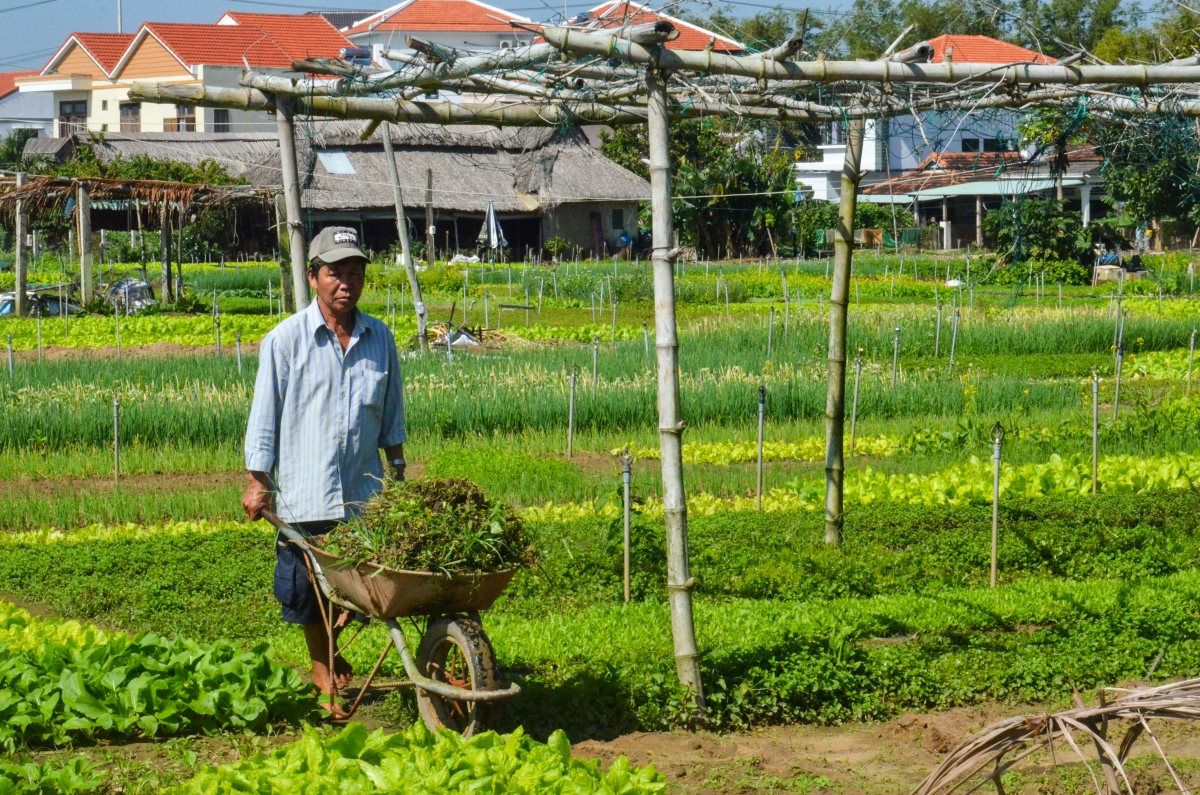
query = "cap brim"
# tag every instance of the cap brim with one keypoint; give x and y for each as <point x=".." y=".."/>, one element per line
<point x="341" y="254"/>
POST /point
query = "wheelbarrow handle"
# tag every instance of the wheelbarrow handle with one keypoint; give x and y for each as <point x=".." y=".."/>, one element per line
<point x="288" y="531"/>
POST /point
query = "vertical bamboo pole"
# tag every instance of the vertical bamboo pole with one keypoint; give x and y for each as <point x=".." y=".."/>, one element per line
<point x="21" y="267"/>
<point x="895" y="357"/>
<point x="410" y="269"/>
<point x="670" y="427"/>
<point x="285" y="121"/>
<point x="430" y="231"/>
<point x="997" y="441"/>
<point x="762" y="414"/>
<point x="835" y="404"/>
<point x="164" y="238"/>
<point x="1095" y="430"/>
<point x="854" y="402"/>
<point x="571" y="413"/>
<point x="770" y="331"/>
<point x="83" y="206"/>
<point x="595" y="364"/>
<point x="10" y="358"/>
<point x="1191" y="358"/>
<point x="627" y="482"/>
<point x="117" y="439"/>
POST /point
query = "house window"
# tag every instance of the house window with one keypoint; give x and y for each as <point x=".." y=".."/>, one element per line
<point x="221" y="120"/>
<point x="972" y="145"/>
<point x="618" y="219"/>
<point x="72" y="117"/>
<point x="131" y="117"/>
<point x="184" y="121"/>
<point x="998" y="145"/>
<point x="104" y="104"/>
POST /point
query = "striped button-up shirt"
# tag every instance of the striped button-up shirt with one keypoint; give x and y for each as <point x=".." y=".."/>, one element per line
<point x="320" y="415"/>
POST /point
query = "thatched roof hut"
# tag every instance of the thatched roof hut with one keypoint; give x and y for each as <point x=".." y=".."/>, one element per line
<point x="542" y="182"/>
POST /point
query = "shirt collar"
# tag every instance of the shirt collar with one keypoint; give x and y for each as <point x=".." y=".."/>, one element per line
<point x="316" y="321"/>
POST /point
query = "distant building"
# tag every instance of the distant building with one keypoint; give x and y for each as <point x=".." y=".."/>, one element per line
<point x="88" y="78"/>
<point x="903" y="143"/>
<point x="23" y="111"/>
<point x="542" y="182"/>
<point x="462" y="24"/>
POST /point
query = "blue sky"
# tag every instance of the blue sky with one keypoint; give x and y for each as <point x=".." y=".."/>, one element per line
<point x="31" y="30"/>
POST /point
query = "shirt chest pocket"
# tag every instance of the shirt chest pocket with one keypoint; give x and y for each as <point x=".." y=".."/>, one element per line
<point x="374" y="390"/>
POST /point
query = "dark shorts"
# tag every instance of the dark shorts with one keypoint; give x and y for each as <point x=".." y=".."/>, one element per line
<point x="293" y="588"/>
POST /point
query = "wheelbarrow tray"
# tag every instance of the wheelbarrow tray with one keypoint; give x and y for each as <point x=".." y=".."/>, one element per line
<point x="385" y="593"/>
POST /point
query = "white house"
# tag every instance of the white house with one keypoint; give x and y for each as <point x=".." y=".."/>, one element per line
<point x="900" y="144"/>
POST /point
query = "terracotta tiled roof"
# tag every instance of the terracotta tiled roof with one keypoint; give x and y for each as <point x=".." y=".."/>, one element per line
<point x="8" y="81"/>
<point x="219" y="45"/>
<point x="951" y="168"/>
<point x="691" y="37"/>
<point x="983" y="49"/>
<point x="106" y="49"/>
<point x="299" y="35"/>
<point x="468" y="16"/>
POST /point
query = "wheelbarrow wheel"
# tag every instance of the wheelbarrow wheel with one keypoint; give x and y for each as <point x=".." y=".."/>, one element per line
<point x="456" y="650"/>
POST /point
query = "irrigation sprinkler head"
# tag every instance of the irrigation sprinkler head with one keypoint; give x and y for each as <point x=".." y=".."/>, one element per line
<point x="625" y="456"/>
<point x="998" y="433"/>
<point x="762" y="394"/>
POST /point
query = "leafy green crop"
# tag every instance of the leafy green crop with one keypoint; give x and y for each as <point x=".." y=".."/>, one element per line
<point x="48" y="778"/>
<point x="355" y="762"/>
<point x="60" y="680"/>
<point x="434" y="524"/>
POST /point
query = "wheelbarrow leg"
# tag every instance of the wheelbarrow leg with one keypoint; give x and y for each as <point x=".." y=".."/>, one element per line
<point x="370" y="677"/>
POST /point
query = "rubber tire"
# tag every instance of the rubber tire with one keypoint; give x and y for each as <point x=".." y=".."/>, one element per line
<point x="462" y="717"/>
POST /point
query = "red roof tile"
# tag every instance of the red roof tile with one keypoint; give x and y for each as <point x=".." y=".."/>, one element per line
<point x="8" y="81"/>
<point x="299" y="35"/>
<point x="940" y="170"/>
<point x="983" y="49"/>
<point x="467" y="16"/>
<point x="106" y="49"/>
<point x="219" y="45"/>
<point x="691" y="37"/>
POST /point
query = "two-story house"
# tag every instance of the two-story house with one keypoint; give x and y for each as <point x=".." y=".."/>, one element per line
<point x="90" y="74"/>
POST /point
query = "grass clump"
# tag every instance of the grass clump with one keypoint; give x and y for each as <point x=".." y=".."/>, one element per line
<point x="444" y="525"/>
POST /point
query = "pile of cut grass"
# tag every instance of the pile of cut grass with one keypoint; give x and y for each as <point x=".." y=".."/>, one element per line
<point x="444" y="525"/>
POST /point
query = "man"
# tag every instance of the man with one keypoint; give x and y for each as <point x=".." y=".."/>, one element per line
<point x="327" y="397"/>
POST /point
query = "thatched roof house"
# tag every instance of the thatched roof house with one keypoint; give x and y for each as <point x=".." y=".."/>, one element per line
<point x="542" y="182"/>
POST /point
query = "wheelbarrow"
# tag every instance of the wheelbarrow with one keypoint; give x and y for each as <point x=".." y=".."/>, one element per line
<point x="458" y="683"/>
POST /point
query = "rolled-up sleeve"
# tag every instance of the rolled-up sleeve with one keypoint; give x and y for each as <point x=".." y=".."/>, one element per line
<point x="262" y="431"/>
<point x="391" y="430"/>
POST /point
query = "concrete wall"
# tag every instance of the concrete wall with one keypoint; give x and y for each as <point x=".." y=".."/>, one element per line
<point x="909" y="142"/>
<point x="573" y="222"/>
<point x="19" y="111"/>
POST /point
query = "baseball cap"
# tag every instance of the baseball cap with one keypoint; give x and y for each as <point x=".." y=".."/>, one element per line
<point x="334" y="244"/>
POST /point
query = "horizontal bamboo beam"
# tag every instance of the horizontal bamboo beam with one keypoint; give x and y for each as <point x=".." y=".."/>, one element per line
<point x="501" y="114"/>
<point x="577" y="42"/>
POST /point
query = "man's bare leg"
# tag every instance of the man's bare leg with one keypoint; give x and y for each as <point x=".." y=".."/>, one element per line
<point x="318" y="651"/>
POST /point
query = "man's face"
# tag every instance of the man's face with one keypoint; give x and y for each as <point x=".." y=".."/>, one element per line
<point x="339" y="285"/>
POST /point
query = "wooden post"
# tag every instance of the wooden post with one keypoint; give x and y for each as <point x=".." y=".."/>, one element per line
<point x="164" y="237"/>
<point x="291" y="194"/>
<point x="21" y="267"/>
<point x="670" y="427"/>
<point x="410" y="268"/>
<point x="430" y="231"/>
<point x="83" y="206"/>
